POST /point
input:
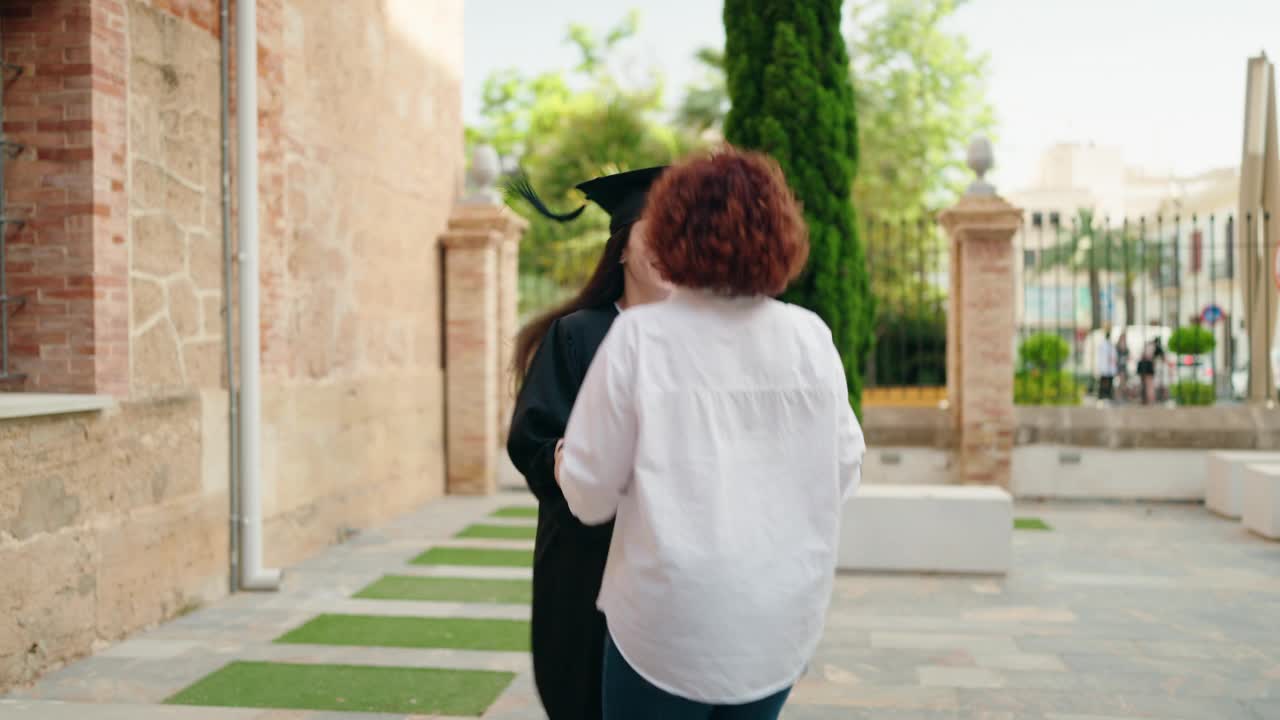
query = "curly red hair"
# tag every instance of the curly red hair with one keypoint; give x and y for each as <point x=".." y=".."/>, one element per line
<point x="726" y="222"/>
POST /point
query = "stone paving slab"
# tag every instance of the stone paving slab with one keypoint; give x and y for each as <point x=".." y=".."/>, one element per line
<point x="110" y="664"/>
<point x="53" y="710"/>
<point x="485" y="543"/>
<point x="994" y="644"/>
<point x="50" y="710"/>
<point x="387" y="657"/>
<point x="528" y="522"/>
<point x="426" y="608"/>
<point x="152" y="678"/>
<point x="155" y="664"/>
<point x="347" y="605"/>
<point x="462" y="571"/>
<point x="1121" y="612"/>
<point x="1036" y="704"/>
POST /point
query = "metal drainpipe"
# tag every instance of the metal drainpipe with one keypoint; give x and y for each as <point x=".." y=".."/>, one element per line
<point x="252" y="575"/>
<point x="233" y="422"/>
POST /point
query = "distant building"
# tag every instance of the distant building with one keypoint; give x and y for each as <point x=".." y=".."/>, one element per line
<point x="1186" y="222"/>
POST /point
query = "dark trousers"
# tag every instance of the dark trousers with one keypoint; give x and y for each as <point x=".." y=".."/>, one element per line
<point x="1106" y="387"/>
<point x="627" y="696"/>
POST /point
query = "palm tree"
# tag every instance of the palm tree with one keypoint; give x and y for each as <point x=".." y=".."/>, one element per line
<point x="1093" y="249"/>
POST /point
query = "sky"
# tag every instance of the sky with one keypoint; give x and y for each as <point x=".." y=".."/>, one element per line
<point x="1161" y="79"/>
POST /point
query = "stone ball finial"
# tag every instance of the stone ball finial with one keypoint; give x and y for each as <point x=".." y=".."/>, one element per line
<point x="482" y="177"/>
<point x="980" y="159"/>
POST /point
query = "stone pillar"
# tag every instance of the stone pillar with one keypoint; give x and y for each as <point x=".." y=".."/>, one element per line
<point x="980" y="328"/>
<point x="481" y="249"/>
<point x="508" y="317"/>
<point x="1257" y="238"/>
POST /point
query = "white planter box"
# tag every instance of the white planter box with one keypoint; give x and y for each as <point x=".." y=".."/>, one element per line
<point x="1224" y="490"/>
<point x="1094" y="473"/>
<point x="927" y="528"/>
<point x="1261" y="499"/>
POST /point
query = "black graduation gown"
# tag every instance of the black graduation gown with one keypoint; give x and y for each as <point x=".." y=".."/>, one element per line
<point x="569" y="557"/>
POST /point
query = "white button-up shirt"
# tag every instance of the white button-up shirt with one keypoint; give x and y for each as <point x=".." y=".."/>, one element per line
<point x="1107" y="357"/>
<point x="718" y="431"/>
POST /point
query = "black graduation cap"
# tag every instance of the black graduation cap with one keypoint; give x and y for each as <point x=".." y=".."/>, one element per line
<point x="622" y="195"/>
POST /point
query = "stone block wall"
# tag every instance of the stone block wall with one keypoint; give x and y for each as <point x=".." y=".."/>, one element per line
<point x="114" y="521"/>
<point x="175" y="273"/>
<point x="109" y="523"/>
<point x="360" y="172"/>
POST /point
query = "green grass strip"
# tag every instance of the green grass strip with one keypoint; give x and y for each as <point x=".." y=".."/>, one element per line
<point x="498" y="532"/>
<point x="412" y="632"/>
<point x="1030" y="523"/>
<point x="348" y="688"/>
<point x="519" y="511"/>
<point x="442" y="589"/>
<point x="475" y="557"/>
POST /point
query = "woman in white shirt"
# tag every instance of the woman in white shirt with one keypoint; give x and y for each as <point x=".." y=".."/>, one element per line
<point x="716" y="427"/>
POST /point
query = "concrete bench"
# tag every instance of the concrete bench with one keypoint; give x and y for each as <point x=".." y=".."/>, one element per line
<point x="1261" y="500"/>
<point x="927" y="528"/>
<point x="1225" y="487"/>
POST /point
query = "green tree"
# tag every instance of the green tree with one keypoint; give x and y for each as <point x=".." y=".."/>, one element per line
<point x="921" y="97"/>
<point x="920" y="92"/>
<point x="788" y="78"/>
<point x="1041" y="379"/>
<point x="1093" y="248"/>
<point x="567" y="126"/>
<point x="705" y="104"/>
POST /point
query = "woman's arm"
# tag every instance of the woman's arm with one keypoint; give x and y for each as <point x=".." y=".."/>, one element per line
<point x="599" y="444"/>
<point x="851" y="446"/>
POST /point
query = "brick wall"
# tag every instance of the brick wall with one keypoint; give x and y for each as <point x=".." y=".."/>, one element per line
<point x="108" y="358"/>
<point x="980" y="339"/>
<point x="69" y="259"/>
<point x="111" y="522"/>
<point x="51" y="258"/>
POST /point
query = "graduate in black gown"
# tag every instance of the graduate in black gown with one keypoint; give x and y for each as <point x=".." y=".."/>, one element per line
<point x="552" y="355"/>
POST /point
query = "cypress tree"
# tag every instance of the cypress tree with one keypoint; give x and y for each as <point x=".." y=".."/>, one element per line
<point x="788" y="77"/>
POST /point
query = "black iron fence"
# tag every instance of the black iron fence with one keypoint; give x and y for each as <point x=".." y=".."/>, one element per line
<point x="1139" y="310"/>
<point x="908" y="268"/>
<point x="907" y="262"/>
<point x="1146" y="309"/>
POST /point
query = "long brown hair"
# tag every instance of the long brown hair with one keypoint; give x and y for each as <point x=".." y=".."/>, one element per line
<point x="604" y="287"/>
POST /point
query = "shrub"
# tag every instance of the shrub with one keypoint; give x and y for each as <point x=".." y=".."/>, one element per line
<point x="1192" y="340"/>
<point x="910" y="349"/>
<point x="1044" y="352"/>
<point x="1052" y="387"/>
<point x="1192" y="392"/>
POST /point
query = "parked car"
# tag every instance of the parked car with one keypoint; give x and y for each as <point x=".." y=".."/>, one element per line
<point x="1240" y="375"/>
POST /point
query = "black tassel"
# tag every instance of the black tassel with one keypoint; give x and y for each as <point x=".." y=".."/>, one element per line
<point x="519" y="185"/>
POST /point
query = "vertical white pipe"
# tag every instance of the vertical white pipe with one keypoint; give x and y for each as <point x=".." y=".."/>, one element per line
<point x="252" y="575"/>
<point x="228" y="328"/>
